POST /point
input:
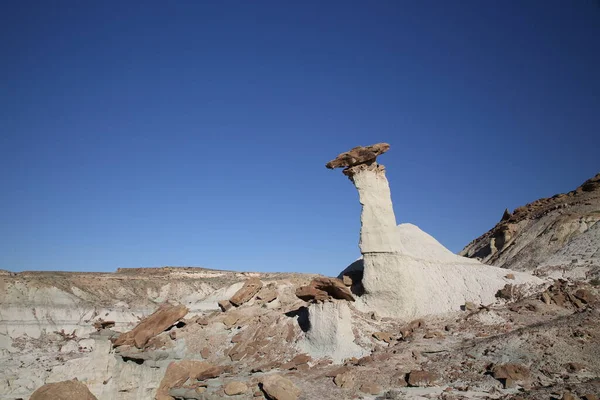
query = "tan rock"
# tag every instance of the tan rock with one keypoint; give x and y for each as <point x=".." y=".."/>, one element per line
<point x="510" y="276"/>
<point x="370" y="388"/>
<point x="383" y="336"/>
<point x="568" y="396"/>
<point x="164" y="317"/>
<point x="178" y="372"/>
<point x="235" y="388"/>
<point x="66" y="390"/>
<point x="250" y="288"/>
<point x="421" y="378"/>
<point x="333" y="286"/>
<point x="205" y="352"/>
<point x="347" y="280"/>
<point x="345" y="380"/>
<point x="202" y="321"/>
<point x="267" y="294"/>
<point x="585" y="295"/>
<point x="225" y="305"/>
<point x="230" y="320"/>
<point x="279" y="388"/>
<point x="510" y="373"/>
<point x="589" y="396"/>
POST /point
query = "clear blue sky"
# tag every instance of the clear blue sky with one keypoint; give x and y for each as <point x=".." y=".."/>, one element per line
<point x="195" y="133"/>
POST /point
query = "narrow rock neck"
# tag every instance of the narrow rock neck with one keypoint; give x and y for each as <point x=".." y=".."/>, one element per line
<point x="378" y="223"/>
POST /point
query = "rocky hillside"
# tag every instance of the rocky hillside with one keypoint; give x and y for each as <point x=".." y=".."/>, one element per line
<point x="557" y="236"/>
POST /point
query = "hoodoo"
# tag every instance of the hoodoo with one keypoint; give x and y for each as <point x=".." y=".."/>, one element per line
<point x="407" y="273"/>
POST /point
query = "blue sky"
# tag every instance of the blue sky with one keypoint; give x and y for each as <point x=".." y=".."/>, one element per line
<point x="138" y="134"/>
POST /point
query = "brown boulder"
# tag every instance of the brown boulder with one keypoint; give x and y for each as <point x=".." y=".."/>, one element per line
<point x="370" y="388"/>
<point x="178" y="372"/>
<point x="267" y="294"/>
<point x="508" y="374"/>
<point x="250" y="288"/>
<point x="585" y="295"/>
<point x="310" y="293"/>
<point x="421" y="378"/>
<point x="235" y="388"/>
<point x="345" y="380"/>
<point x="279" y="388"/>
<point x="166" y="316"/>
<point x="66" y="390"/>
<point x="225" y="305"/>
<point x="358" y="155"/>
<point x="334" y="287"/>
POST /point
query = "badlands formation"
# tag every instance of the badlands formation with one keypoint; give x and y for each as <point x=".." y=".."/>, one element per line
<point x="409" y="320"/>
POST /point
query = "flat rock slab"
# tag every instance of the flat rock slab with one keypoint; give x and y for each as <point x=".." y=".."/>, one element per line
<point x="279" y="388"/>
<point x="250" y="288"/>
<point x="166" y="316"/>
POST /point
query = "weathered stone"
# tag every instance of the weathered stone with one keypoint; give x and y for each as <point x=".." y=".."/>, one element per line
<point x="66" y="390"/>
<point x="347" y="280"/>
<point x="173" y="335"/>
<point x="101" y="324"/>
<point x="589" y="396"/>
<point x="225" y="305"/>
<point x="250" y="288"/>
<point x="383" y="336"/>
<point x="279" y="388"/>
<point x="345" y="380"/>
<point x="309" y="293"/>
<point x="178" y="372"/>
<point x="235" y="388"/>
<point x="334" y="287"/>
<point x="267" y="294"/>
<point x="510" y="276"/>
<point x="508" y="374"/>
<point x="546" y="297"/>
<point x="421" y="378"/>
<point x="358" y="155"/>
<point x="202" y="321"/>
<point x="370" y="388"/>
<point x="230" y="320"/>
<point x="585" y="295"/>
<point x="568" y="396"/>
<point x="164" y="317"/>
<point x="205" y="352"/>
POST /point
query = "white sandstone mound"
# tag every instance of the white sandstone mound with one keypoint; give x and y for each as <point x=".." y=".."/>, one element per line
<point x="407" y="273"/>
<point x="330" y="332"/>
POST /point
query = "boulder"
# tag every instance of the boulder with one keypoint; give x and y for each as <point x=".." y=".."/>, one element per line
<point x="509" y="374"/>
<point x="250" y="288"/>
<point x="421" y="378"/>
<point x="279" y="388"/>
<point x="324" y="288"/>
<point x="235" y="388"/>
<point x="310" y="293"/>
<point x="166" y="316"/>
<point x="225" y="305"/>
<point x="178" y="372"/>
<point x="66" y="390"/>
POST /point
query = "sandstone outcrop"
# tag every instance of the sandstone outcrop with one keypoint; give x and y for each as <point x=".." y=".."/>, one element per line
<point x="163" y="318"/>
<point x="396" y="281"/>
<point x="556" y="236"/>
<point x="66" y="390"/>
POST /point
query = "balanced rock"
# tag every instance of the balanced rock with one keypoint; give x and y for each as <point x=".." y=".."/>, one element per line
<point x="66" y="390"/>
<point x="323" y="288"/>
<point x="250" y="288"/>
<point x="407" y="273"/>
<point x="166" y="316"/>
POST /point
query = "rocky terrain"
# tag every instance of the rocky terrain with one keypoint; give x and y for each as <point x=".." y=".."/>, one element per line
<point x="557" y="236"/>
<point x="409" y="320"/>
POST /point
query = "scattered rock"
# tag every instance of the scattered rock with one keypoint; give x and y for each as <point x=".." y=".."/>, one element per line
<point x="585" y="295"/>
<point x="510" y="276"/>
<point x="178" y="372"/>
<point x="383" y="336"/>
<point x="279" y="388"/>
<point x="230" y="320"/>
<point x="173" y="335"/>
<point x="568" y="396"/>
<point x="509" y="374"/>
<point x="250" y="288"/>
<point x="66" y="390"/>
<point x="421" y="378"/>
<point x="267" y="294"/>
<point x="101" y="324"/>
<point x="370" y="388"/>
<point x="345" y="380"/>
<point x="202" y="321"/>
<point x="166" y="316"/>
<point x="309" y="293"/>
<point x="235" y="388"/>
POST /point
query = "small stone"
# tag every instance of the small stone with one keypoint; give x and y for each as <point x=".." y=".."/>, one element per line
<point x="370" y="388"/>
<point x="568" y="396"/>
<point x="470" y="306"/>
<point x="347" y="280"/>
<point x="546" y="297"/>
<point x="173" y="334"/>
<point x="202" y="321"/>
<point x="383" y="336"/>
<point x="230" y="320"/>
<point x="235" y="388"/>
<point x="345" y="380"/>
<point x="205" y="353"/>
<point x="510" y="276"/>
<point x="584" y="295"/>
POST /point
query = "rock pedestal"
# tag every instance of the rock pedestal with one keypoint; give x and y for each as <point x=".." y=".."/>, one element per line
<point x="399" y="278"/>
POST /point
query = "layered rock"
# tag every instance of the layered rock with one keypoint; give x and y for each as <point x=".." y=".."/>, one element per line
<point x="557" y="236"/>
<point x="397" y="281"/>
